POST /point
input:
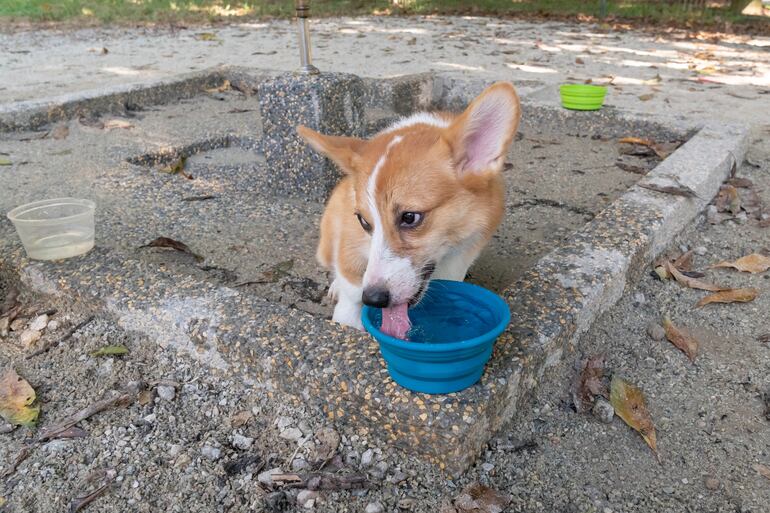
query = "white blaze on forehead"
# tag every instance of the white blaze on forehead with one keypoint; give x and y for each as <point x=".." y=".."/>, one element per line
<point x="424" y="118"/>
<point x="384" y="268"/>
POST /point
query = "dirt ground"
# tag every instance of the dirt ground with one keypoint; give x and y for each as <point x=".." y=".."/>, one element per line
<point x="203" y="446"/>
<point x="696" y="74"/>
<point x="201" y="441"/>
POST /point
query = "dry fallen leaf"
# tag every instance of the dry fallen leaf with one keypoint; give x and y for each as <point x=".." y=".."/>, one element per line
<point x="116" y="350"/>
<point x="729" y="296"/>
<point x="328" y="442"/>
<point x="60" y="132"/>
<point x="177" y="167"/>
<point x="676" y="190"/>
<point x="589" y="383"/>
<point x="16" y="398"/>
<point x="630" y="405"/>
<point x="763" y="470"/>
<point x="117" y="123"/>
<point x="744" y="183"/>
<point x="5" y="161"/>
<point x="477" y="498"/>
<point x="728" y="199"/>
<point x="207" y="36"/>
<point x="681" y="339"/>
<point x="240" y="419"/>
<point x="662" y="150"/>
<point x="146" y="396"/>
<point x="639" y="170"/>
<point x="646" y="97"/>
<point x="221" y="89"/>
<point x="684" y="261"/>
<point x="693" y="283"/>
<point x="166" y="242"/>
<point x="754" y="263"/>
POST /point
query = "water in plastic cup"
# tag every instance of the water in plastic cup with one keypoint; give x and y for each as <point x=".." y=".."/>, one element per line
<point x="55" y="228"/>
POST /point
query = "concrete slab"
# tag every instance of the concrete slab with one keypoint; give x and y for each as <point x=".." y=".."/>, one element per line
<point x="269" y="336"/>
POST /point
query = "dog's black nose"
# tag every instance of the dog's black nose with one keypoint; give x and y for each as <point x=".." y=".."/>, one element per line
<point x="377" y="297"/>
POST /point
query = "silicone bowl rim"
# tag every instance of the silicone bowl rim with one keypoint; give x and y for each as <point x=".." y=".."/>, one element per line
<point x="489" y="298"/>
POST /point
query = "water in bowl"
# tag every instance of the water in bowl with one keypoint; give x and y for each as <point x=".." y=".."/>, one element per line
<point x="447" y="316"/>
<point x="61" y="245"/>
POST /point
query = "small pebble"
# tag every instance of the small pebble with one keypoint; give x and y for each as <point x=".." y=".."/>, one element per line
<point x="211" y="453"/>
<point x="603" y="410"/>
<point x="291" y="434"/>
<point x="242" y="442"/>
<point x="39" y="323"/>
<point x="712" y="483"/>
<point x="379" y="470"/>
<point x="742" y="218"/>
<point x="712" y="214"/>
<point x="700" y="250"/>
<point x="487" y="467"/>
<point x="166" y="392"/>
<point x="374" y="507"/>
<point x="53" y="325"/>
<point x="174" y="450"/>
<point x="352" y="458"/>
<point x="406" y="504"/>
<point x="656" y="331"/>
<point x="276" y="501"/>
<point x="283" y="422"/>
<point x="29" y="337"/>
<point x="367" y="458"/>
<point x="306" y="498"/>
<point x="299" y="464"/>
<point x="683" y="248"/>
<point x="399" y="476"/>
<point x="18" y="324"/>
<point x="639" y="299"/>
<point x="305" y="428"/>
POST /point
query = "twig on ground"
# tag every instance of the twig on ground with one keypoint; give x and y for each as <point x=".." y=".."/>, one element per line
<point x="23" y="454"/>
<point x="66" y="337"/>
<point x="79" y="503"/>
<point x="320" y="481"/>
<point x="128" y="395"/>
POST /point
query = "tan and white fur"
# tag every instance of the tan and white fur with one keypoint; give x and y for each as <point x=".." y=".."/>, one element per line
<point x="419" y="200"/>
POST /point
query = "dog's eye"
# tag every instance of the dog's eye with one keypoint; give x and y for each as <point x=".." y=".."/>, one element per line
<point x="410" y="219"/>
<point x="364" y="224"/>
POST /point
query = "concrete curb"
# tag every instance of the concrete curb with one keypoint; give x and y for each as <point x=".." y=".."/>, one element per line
<point x="339" y="371"/>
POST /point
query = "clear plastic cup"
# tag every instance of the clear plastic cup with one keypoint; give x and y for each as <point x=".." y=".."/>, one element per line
<point x="55" y="228"/>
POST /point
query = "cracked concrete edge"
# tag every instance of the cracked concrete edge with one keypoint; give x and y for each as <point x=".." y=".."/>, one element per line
<point x="584" y="278"/>
<point x="566" y="290"/>
<point x="34" y="114"/>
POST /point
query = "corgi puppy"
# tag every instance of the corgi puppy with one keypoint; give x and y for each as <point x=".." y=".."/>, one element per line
<point x="417" y="201"/>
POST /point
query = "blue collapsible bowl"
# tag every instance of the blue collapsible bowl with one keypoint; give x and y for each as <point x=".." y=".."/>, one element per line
<point x="441" y="358"/>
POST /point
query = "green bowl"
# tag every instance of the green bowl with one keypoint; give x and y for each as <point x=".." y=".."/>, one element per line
<point x="582" y="97"/>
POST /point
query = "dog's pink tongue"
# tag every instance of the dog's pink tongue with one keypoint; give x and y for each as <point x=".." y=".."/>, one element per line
<point x="395" y="321"/>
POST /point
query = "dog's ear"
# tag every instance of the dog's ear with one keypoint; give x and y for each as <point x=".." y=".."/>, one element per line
<point x="480" y="136"/>
<point x="342" y="150"/>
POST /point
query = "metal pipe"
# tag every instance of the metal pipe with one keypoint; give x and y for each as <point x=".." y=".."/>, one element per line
<point x="305" y="55"/>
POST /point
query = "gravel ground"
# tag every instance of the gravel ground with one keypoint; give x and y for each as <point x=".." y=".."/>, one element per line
<point x="202" y="441"/>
